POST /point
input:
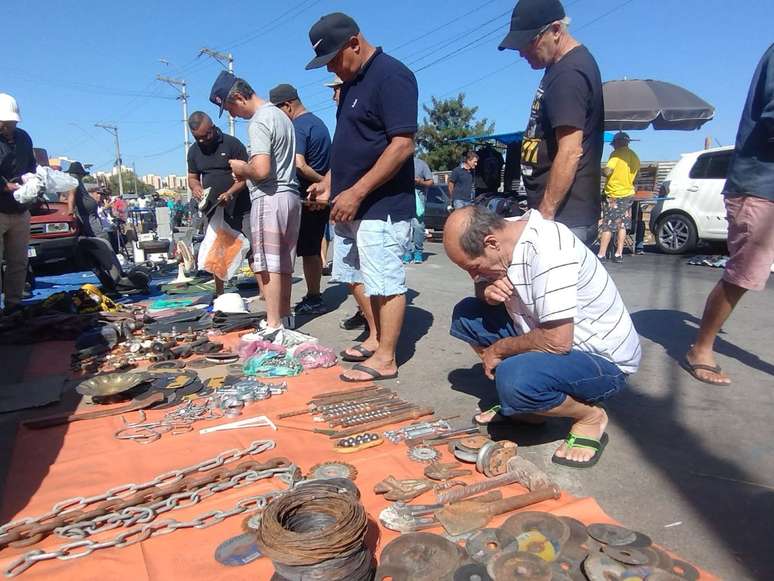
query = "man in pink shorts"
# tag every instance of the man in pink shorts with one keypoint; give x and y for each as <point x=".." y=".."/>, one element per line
<point x="749" y="196"/>
<point x="275" y="215"/>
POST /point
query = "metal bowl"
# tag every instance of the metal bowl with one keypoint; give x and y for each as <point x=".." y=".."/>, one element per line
<point x="111" y="383"/>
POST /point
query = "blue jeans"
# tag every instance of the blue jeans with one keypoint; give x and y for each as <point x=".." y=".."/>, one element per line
<point x="417" y="236"/>
<point x="534" y="382"/>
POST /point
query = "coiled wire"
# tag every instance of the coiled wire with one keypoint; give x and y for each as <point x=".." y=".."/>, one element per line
<point x="316" y="533"/>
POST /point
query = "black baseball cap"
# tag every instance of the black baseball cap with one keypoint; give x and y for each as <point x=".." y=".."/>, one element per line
<point x="329" y="35"/>
<point x="282" y="94"/>
<point x="221" y="88"/>
<point x="528" y="18"/>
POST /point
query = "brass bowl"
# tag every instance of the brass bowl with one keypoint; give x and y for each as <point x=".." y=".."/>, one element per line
<point x="110" y="383"/>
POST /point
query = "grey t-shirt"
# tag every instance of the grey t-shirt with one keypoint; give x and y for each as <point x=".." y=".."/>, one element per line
<point x="271" y="132"/>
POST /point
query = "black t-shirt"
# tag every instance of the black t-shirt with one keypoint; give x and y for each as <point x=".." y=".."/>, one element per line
<point x="570" y="95"/>
<point x="16" y="159"/>
<point x="210" y="163"/>
<point x="378" y="104"/>
<point x="463" y="184"/>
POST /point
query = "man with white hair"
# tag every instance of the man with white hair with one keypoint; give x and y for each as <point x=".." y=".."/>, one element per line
<point x="16" y="159"/>
<point x="562" y="148"/>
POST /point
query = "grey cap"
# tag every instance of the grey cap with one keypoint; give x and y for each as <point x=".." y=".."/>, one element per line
<point x="282" y="94"/>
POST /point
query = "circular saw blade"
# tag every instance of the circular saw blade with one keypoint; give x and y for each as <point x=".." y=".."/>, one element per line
<point x="332" y="469"/>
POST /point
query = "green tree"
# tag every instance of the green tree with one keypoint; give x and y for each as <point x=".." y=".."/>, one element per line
<point x="447" y="120"/>
<point x="129" y="183"/>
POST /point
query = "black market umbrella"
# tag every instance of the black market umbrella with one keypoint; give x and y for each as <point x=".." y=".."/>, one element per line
<point x="638" y="104"/>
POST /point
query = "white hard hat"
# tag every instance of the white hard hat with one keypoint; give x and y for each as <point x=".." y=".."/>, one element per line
<point x="9" y="110"/>
<point x="229" y="303"/>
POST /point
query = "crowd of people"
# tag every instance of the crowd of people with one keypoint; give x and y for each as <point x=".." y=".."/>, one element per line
<point x="545" y="316"/>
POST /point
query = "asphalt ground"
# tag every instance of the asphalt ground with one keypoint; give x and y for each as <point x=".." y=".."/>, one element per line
<point x="690" y="465"/>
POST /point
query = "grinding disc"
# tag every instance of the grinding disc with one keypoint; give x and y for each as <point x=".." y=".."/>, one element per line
<point x="237" y="551"/>
<point x="628" y="555"/>
<point x="424" y="556"/>
<point x="641" y="541"/>
<point x="611" y="534"/>
<point x="510" y="565"/>
<point x="568" y="567"/>
<point x="391" y="573"/>
<point x="333" y="470"/>
<point x="601" y="568"/>
<point x="472" y="572"/>
<point x="684" y="570"/>
<point x="551" y="527"/>
<point x="486" y="543"/>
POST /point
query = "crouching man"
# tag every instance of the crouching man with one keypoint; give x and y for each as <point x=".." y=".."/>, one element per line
<point x="547" y="322"/>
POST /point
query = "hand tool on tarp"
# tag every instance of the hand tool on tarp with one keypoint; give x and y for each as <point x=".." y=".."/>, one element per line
<point x="468" y="516"/>
<point x="443" y="439"/>
<point x="350" y="395"/>
<point x="412" y="414"/>
<point x="406" y="518"/>
<point x="138" y="403"/>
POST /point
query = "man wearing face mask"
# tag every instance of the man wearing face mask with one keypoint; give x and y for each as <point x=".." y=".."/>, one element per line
<point x="561" y="152"/>
<point x="208" y="167"/>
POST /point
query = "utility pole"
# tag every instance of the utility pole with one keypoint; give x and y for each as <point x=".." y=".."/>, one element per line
<point x="227" y="60"/>
<point x="181" y="86"/>
<point x="113" y="130"/>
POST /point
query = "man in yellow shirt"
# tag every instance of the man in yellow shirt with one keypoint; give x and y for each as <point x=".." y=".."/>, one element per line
<point x="621" y="171"/>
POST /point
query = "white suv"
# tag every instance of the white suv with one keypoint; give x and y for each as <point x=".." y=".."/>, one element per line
<point x="697" y="211"/>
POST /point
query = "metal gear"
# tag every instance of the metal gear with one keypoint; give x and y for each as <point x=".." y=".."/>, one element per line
<point x="423" y="454"/>
<point x="333" y="470"/>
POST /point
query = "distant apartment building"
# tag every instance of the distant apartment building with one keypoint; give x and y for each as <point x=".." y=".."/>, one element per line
<point x="153" y="181"/>
<point x="175" y="182"/>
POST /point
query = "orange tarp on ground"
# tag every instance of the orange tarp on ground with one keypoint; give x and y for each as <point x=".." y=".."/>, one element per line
<point x="84" y="459"/>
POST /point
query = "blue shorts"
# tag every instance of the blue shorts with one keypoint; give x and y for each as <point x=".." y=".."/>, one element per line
<point x="534" y="382"/>
<point x="371" y="252"/>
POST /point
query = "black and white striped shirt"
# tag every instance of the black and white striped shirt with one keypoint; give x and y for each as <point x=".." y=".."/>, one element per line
<point x="555" y="276"/>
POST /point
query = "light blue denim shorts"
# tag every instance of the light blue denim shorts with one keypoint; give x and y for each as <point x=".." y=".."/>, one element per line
<point x="371" y="252"/>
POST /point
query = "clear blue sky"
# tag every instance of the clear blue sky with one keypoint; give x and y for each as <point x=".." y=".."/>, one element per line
<point x="71" y="65"/>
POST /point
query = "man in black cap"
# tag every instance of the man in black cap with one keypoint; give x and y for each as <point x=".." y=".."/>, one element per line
<point x="313" y="154"/>
<point x="208" y="167"/>
<point x="371" y="184"/>
<point x="275" y="214"/>
<point x="83" y="206"/>
<point x="562" y="149"/>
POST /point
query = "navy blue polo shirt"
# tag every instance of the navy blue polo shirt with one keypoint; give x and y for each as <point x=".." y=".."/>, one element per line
<point x="378" y="104"/>
<point x="313" y="142"/>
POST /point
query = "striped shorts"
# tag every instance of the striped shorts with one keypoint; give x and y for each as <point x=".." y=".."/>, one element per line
<point x="274" y="224"/>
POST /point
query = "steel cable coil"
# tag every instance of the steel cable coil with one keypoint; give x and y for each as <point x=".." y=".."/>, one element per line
<point x="316" y="532"/>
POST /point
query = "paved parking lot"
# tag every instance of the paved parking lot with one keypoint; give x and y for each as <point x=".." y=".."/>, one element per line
<point x="689" y="464"/>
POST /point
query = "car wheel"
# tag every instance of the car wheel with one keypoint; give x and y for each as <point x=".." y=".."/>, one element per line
<point x="676" y="234"/>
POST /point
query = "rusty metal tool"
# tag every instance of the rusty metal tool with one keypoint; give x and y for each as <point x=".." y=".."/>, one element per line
<point x="464" y="517"/>
<point x="340" y="392"/>
<point x="134" y="405"/>
<point x="413" y="414"/>
<point x="411" y="510"/>
<point x="445" y="471"/>
<point x="438" y="440"/>
<point x="448" y="496"/>
<point x="408" y="489"/>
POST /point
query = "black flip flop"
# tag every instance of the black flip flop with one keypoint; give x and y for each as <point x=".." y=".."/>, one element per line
<point x="575" y="441"/>
<point x="692" y="368"/>
<point x="375" y="375"/>
<point x="364" y="354"/>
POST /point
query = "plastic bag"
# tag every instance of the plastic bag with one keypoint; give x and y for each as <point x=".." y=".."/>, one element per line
<point x="313" y="355"/>
<point x="56" y="181"/>
<point x="223" y="248"/>
<point x="271" y="364"/>
<point x="29" y="190"/>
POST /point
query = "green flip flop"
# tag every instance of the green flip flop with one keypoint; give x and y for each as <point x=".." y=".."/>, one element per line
<point x="575" y="441"/>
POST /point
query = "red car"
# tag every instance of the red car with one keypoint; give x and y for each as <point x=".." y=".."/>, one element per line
<point x="53" y="233"/>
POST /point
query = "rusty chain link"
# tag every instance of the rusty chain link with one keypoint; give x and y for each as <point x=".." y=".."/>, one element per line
<point x="30" y="530"/>
<point x="143" y="532"/>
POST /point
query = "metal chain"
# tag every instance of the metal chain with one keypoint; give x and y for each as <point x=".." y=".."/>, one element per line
<point x="132" y="515"/>
<point x="138" y="534"/>
<point x="178" y="421"/>
<point x="71" y="508"/>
